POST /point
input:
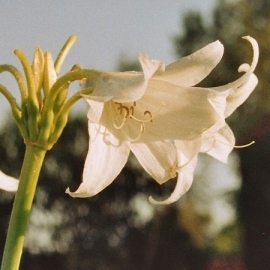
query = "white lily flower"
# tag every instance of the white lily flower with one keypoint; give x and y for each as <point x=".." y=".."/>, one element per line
<point x="8" y="183"/>
<point x="144" y="112"/>
<point x="218" y="141"/>
<point x="156" y="114"/>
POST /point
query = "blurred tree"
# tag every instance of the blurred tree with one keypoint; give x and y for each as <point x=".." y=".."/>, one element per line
<point x="116" y="229"/>
<point x="231" y="21"/>
<point x="255" y="196"/>
<point x="194" y="34"/>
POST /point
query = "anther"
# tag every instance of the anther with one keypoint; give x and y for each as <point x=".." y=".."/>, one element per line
<point x="131" y="110"/>
<point x="148" y="112"/>
<point x="127" y="111"/>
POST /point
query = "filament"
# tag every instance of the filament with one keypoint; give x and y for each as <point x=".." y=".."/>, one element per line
<point x="245" y="145"/>
<point x="224" y="143"/>
<point x="129" y="112"/>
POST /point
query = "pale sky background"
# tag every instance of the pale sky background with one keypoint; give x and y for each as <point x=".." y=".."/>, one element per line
<point x="105" y="30"/>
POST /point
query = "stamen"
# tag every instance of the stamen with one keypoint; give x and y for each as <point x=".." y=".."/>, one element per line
<point x="151" y="117"/>
<point x="129" y="112"/>
<point x="234" y="146"/>
<point x="121" y="107"/>
<point x="143" y="121"/>
<point x="245" y="145"/>
<point x="121" y="125"/>
<point x="142" y="129"/>
<point x="237" y="146"/>
<point x="124" y="118"/>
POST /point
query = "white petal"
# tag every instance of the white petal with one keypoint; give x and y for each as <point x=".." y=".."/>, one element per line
<point x="179" y="112"/>
<point x="158" y="158"/>
<point x="150" y="66"/>
<point x="240" y="95"/>
<point x="192" y="69"/>
<point x="105" y="159"/>
<point x="184" y="182"/>
<point x="8" y="183"/>
<point x="125" y="86"/>
<point x="122" y="86"/>
<point x="219" y="102"/>
<point x="220" y="144"/>
<point x="96" y="107"/>
<point x="187" y="150"/>
<point x="243" y="86"/>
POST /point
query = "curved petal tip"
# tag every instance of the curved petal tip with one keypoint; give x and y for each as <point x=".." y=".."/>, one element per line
<point x="184" y="182"/>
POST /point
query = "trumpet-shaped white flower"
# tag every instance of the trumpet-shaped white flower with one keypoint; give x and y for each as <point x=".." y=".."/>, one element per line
<point x="218" y="141"/>
<point x="8" y="183"/>
<point x="159" y="116"/>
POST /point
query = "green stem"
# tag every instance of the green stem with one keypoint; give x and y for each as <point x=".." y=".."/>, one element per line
<point x="32" y="164"/>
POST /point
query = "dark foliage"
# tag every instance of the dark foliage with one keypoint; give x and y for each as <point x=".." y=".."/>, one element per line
<point x="231" y="21"/>
<point x="101" y="232"/>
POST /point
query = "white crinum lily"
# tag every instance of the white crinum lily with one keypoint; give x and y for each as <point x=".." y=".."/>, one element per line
<point x="144" y="112"/>
<point x="154" y="114"/>
<point x="218" y="141"/>
<point x="8" y="183"/>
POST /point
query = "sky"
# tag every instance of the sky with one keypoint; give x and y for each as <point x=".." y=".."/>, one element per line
<point x="105" y="30"/>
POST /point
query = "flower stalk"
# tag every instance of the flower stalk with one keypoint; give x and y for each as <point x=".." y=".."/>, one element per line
<point x="32" y="164"/>
<point x="41" y="118"/>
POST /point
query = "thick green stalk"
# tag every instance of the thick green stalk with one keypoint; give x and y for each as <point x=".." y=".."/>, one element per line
<point x="32" y="164"/>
